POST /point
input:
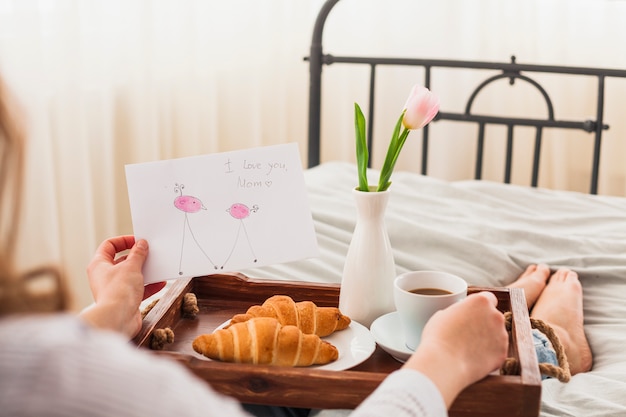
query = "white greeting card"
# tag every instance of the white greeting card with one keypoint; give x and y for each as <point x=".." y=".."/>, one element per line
<point x="221" y="212"/>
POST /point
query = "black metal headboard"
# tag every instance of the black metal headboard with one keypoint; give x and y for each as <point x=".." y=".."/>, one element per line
<point x="509" y="70"/>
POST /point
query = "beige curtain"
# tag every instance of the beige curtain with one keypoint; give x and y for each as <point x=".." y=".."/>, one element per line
<point x="107" y="83"/>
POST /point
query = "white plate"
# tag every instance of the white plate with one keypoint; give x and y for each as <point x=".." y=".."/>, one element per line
<point x="387" y="332"/>
<point x="355" y="344"/>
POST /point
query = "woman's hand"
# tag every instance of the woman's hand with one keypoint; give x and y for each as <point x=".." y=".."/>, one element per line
<point x="462" y="344"/>
<point x="117" y="285"/>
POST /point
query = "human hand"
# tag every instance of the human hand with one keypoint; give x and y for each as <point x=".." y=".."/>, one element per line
<point x="117" y="285"/>
<point x="462" y="344"/>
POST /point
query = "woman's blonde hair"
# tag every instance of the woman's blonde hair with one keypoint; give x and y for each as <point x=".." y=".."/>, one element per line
<point x="42" y="289"/>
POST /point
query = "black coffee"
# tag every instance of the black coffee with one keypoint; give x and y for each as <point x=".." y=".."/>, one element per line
<point x="430" y="291"/>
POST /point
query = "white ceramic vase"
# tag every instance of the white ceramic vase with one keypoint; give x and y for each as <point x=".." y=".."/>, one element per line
<point x="367" y="281"/>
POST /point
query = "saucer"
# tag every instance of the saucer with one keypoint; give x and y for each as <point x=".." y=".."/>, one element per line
<point x="387" y="332"/>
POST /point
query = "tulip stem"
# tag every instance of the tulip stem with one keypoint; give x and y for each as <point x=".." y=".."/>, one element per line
<point x="395" y="146"/>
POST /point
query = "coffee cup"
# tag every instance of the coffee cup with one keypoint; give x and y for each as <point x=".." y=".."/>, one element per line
<point x="420" y="294"/>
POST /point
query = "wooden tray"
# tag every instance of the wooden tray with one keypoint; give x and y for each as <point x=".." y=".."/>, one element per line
<point x="222" y="296"/>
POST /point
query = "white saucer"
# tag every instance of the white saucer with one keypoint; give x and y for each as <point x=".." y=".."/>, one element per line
<point x="387" y="332"/>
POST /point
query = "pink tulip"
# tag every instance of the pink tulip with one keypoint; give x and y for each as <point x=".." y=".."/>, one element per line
<point x="421" y="107"/>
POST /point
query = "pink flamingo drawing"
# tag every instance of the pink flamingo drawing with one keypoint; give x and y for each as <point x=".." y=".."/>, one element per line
<point x="188" y="204"/>
<point x="240" y="212"/>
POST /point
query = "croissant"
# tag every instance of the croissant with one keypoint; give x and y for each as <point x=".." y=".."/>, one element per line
<point x="265" y="341"/>
<point x="305" y="315"/>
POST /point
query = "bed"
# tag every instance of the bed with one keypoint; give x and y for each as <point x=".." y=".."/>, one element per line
<point x="486" y="231"/>
<point x="439" y="225"/>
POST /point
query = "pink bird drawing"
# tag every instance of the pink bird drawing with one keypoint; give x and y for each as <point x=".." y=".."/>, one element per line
<point x="188" y="204"/>
<point x="241" y="212"/>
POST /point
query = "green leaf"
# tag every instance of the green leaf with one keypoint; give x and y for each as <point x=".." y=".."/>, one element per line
<point x="362" y="153"/>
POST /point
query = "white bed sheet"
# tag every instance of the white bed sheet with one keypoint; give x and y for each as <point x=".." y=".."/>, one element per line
<point x="488" y="233"/>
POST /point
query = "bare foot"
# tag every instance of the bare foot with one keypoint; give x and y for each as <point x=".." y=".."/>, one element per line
<point x="532" y="281"/>
<point x="561" y="306"/>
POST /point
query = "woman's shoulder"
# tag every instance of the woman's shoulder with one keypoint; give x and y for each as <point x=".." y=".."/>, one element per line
<point x="66" y="341"/>
<point x="61" y="363"/>
<point x="45" y="329"/>
<point x="48" y="331"/>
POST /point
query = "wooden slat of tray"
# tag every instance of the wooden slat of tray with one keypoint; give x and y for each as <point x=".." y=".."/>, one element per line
<point x="222" y="296"/>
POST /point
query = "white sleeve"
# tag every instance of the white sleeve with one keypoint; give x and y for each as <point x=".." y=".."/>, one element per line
<point x="59" y="367"/>
<point x="404" y="393"/>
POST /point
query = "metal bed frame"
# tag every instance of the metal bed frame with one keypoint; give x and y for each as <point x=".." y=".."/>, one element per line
<point x="511" y="70"/>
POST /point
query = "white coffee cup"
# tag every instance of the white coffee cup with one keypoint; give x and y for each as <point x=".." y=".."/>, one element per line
<point x="415" y="309"/>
